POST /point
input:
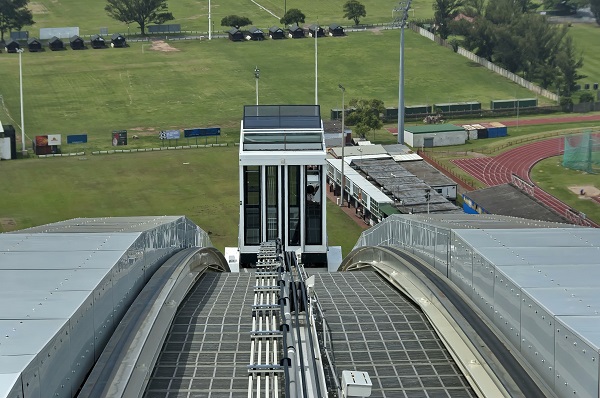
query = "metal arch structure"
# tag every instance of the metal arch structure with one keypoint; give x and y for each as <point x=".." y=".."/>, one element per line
<point x="125" y="365"/>
<point x="491" y="368"/>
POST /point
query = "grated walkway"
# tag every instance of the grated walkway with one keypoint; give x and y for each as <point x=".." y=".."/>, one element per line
<point x="377" y="330"/>
<point x="207" y="350"/>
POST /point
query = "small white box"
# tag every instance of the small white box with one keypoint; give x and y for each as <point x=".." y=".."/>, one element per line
<point x="356" y="384"/>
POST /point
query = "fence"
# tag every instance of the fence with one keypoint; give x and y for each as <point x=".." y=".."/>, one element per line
<point x="484" y="62"/>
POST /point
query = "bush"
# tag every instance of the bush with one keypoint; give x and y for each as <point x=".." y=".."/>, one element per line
<point x="586" y="97"/>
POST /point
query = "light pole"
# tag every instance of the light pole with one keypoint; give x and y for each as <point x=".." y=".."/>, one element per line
<point x="257" y="76"/>
<point x="343" y="142"/>
<point x="316" y="32"/>
<point x="24" y="150"/>
<point x="209" y="22"/>
<point x="427" y="198"/>
<point x="402" y="7"/>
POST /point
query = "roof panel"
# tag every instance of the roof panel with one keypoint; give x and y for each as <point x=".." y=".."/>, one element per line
<point x="24" y="338"/>
<point x="17" y="260"/>
<point x="541" y="255"/>
<point x="585" y="326"/>
<point x="552" y="275"/>
<point x="42" y="304"/>
<point x="566" y="301"/>
<point x="50" y="280"/>
<point x="103" y="224"/>
<point x="62" y="242"/>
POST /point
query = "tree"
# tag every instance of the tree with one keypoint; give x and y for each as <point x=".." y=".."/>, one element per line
<point x="474" y="7"/>
<point x="293" y="16"/>
<point x="14" y="15"/>
<point x="353" y="9"/>
<point x="366" y="116"/>
<point x="568" y="62"/>
<point x="235" y="21"/>
<point x="142" y="12"/>
<point x="444" y="13"/>
<point x="595" y="7"/>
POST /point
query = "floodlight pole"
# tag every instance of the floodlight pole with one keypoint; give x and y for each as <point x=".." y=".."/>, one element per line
<point x="343" y="143"/>
<point x="209" y="22"/>
<point x="24" y="150"/>
<point x="402" y="7"/>
<point x="257" y="76"/>
<point x="316" y="66"/>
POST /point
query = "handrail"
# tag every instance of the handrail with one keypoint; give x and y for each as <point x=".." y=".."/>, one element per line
<point x="126" y="363"/>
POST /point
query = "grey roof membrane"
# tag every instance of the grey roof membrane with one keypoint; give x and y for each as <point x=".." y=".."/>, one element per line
<point x="507" y="200"/>
<point x="428" y="173"/>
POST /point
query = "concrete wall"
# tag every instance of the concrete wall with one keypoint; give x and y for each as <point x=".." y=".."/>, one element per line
<point x="439" y="139"/>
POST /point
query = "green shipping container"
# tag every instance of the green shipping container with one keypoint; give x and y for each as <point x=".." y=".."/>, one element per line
<point x="457" y="107"/>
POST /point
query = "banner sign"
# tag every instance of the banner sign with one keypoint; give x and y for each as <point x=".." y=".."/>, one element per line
<point x="119" y="137"/>
<point x="77" y="139"/>
<point x="41" y="140"/>
<point x="169" y="135"/>
<point x="54" y="139"/>
<point x="199" y="132"/>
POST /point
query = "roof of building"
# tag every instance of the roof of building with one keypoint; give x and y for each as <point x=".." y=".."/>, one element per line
<point x="397" y="149"/>
<point x="508" y="200"/>
<point x="402" y="185"/>
<point x="433" y="128"/>
<point x="360" y="181"/>
<point x="358" y="151"/>
<point x="426" y="172"/>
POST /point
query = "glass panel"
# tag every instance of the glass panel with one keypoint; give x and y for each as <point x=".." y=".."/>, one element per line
<point x="314" y="196"/>
<point x="294" y="205"/>
<point x="272" y="224"/>
<point x="252" y="205"/>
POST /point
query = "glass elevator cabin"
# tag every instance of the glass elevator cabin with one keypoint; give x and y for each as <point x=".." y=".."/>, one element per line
<point x="282" y="181"/>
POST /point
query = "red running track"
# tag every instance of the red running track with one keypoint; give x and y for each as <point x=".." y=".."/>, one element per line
<point x="519" y="161"/>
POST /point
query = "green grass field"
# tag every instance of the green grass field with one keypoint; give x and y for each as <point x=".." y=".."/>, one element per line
<point x="587" y="42"/>
<point x="192" y="15"/>
<point x="552" y="177"/>
<point x="199" y="183"/>
<point x="207" y="83"/>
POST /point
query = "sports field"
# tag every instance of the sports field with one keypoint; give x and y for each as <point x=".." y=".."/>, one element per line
<point x="192" y="15"/>
<point x="201" y="83"/>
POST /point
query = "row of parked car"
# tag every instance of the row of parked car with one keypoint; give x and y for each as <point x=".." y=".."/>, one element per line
<point x="75" y="42"/>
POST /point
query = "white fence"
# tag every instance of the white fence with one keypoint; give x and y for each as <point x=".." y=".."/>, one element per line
<point x="491" y="66"/>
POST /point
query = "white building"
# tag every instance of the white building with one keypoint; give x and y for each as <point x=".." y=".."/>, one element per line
<point x="430" y="135"/>
<point x="282" y="181"/>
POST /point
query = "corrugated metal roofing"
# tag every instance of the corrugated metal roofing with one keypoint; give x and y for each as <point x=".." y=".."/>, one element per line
<point x="352" y="175"/>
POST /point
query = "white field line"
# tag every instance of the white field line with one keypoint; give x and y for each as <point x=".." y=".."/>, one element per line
<point x="263" y="8"/>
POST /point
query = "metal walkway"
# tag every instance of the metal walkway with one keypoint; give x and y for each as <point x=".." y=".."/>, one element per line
<point x="376" y="329"/>
<point x="207" y="350"/>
